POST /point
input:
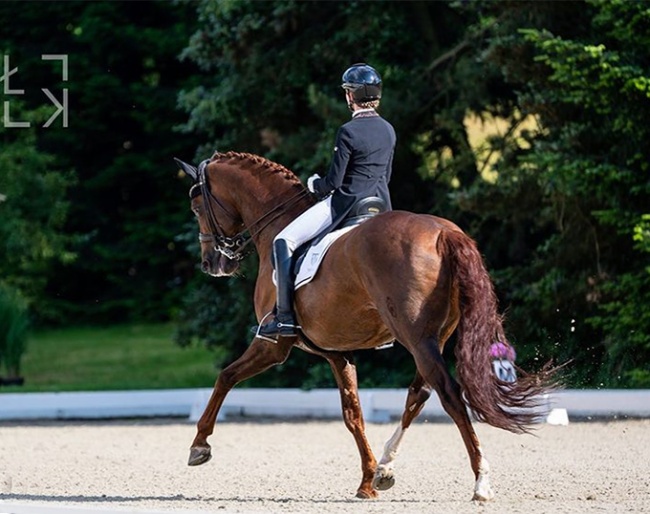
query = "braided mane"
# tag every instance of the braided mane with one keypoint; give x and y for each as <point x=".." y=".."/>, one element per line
<point x="255" y="163"/>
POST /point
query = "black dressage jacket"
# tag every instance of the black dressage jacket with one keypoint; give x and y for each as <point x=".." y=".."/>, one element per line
<point x="362" y="164"/>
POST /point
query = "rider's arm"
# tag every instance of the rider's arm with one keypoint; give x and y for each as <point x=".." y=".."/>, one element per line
<point x="334" y="178"/>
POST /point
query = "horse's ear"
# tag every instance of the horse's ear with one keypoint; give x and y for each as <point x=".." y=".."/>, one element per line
<point x="188" y="169"/>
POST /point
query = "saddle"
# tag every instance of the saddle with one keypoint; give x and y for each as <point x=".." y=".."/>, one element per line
<point x="308" y="257"/>
<point x="364" y="209"/>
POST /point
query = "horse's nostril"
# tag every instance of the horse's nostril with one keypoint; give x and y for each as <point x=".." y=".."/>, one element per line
<point x="204" y="266"/>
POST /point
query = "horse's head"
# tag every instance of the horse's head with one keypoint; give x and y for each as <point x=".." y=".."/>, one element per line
<point x="239" y="198"/>
<point x="221" y="229"/>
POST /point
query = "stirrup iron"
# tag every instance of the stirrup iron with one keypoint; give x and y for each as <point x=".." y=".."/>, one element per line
<point x="256" y="329"/>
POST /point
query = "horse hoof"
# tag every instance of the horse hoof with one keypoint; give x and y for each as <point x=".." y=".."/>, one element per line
<point x="384" y="479"/>
<point x="367" y="495"/>
<point x="482" y="490"/>
<point x="199" y="455"/>
<point x="483" y="496"/>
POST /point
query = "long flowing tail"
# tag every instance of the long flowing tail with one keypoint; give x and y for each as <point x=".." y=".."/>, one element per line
<point x="510" y="406"/>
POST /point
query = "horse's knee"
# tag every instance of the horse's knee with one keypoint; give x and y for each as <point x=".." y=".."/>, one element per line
<point x="227" y="379"/>
<point x="352" y="414"/>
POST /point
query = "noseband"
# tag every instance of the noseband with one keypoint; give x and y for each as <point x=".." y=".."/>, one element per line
<point x="232" y="247"/>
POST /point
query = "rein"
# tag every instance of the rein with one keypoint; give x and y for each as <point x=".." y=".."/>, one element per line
<point x="232" y="247"/>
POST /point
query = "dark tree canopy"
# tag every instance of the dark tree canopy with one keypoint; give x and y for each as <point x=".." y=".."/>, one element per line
<point x="524" y="122"/>
<point x="555" y="197"/>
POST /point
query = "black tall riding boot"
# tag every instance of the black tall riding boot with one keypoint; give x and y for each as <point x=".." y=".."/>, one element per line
<point x="284" y="322"/>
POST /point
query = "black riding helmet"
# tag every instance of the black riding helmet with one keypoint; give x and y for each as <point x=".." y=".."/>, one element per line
<point x="363" y="81"/>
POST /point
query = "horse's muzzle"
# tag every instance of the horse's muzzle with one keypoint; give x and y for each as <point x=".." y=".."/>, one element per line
<point x="217" y="265"/>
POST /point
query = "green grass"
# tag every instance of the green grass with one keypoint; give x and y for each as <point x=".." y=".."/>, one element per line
<point x="112" y="358"/>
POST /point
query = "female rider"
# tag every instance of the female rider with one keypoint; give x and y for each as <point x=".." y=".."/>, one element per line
<point x="361" y="168"/>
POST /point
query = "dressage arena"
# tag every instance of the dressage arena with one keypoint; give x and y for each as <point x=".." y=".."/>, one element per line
<point x="313" y="467"/>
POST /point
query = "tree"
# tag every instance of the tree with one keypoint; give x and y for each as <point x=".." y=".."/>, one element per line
<point x="33" y="210"/>
<point x="555" y="200"/>
<point x="14" y="323"/>
<point x="127" y="204"/>
<point x="272" y="87"/>
<point x="579" y="183"/>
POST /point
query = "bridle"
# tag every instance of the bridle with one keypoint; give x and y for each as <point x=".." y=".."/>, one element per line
<point x="232" y="247"/>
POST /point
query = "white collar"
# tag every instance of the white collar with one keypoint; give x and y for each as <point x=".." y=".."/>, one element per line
<point x="361" y="111"/>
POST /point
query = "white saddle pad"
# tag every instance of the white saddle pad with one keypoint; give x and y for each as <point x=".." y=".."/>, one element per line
<point x="314" y="257"/>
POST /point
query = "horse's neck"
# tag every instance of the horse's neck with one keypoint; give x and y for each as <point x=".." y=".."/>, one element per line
<point x="267" y="222"/>
<point x="265" y="219"/>
<point x="263" y="235"/>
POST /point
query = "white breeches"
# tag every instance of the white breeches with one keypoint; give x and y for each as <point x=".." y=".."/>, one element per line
<point x="307" y="225"/>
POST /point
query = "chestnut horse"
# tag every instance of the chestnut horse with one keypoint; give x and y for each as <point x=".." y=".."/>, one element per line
<point x="399" y="276"/>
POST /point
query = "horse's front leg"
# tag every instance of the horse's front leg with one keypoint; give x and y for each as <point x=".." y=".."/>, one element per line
<point x="418" y="393"/>
<point x="259" y="356"/>
<point x="345" y="373"/>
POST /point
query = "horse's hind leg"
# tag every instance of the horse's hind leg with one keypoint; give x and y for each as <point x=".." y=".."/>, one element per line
<point x="258" y="357"/>
<point x="432" y="367"/>
<point x="346" y="378"/>
<point x="418" y="393"/>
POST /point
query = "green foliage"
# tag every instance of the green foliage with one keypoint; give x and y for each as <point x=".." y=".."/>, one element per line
<point x="578" y="283"/>
<point x="90" y="231"/>
<point x="642" y="235"/>
<point x="273" y="77"/>
<point x="225" y="304"/>
<point x="556" y="220"/>
<point x="33" y="208"/>
<point x="625" y="318"/>
<point x="626" y="321"/>
<point x="14" y="324"/>
<point x="127" y="203"/>
<point x="272" y="87"/>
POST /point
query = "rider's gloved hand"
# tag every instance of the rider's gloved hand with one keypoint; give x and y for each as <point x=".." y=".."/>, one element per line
<point x="310" y="182"/>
